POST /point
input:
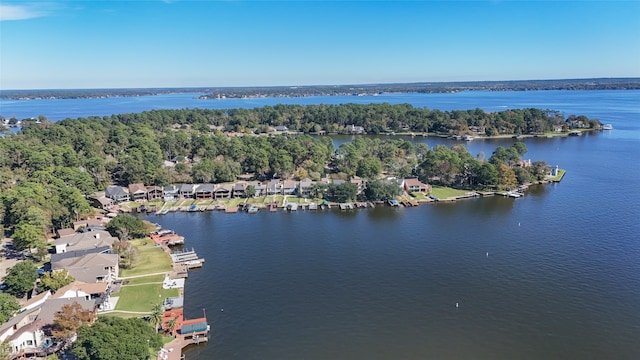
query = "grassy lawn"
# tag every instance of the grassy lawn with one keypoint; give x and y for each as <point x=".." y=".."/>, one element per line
<point x="143" y="297"/>
<point x="150" y="259"/>
<point x="445" y="192"/>
<point x="418" y="195"/>
<point x="145" y="280"/>
<point x="558" y="177"/>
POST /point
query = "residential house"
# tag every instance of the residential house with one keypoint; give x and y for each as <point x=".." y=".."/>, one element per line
<point x="274" y="187"/>
<point x="90" y="268"/>
<point x="65" y="232"/>
<point x="261" y="189"/>
<point x="171" y="193"/>
<point x="155" y="192"/>
<point x="188" y="191"/>
<point x="223" y="191"/>
<point x="117" y="193"/>
<point x="413" y="185"/>
<point x="304" y="187"/>
<point x="281" y="128"/>
<point x="138" y="192"/>
<point x="204" y="192"/>
<point x="100" y="201"/>
<point x="289" y="187"/>
<point x="240" y="189"/>
<point x="79" y="289"/>
<point x="26" y="333"/>
<point x="83" y="241"/>
<point x="89" y="223"/>
<point x="355" y="129"/>
<point x="358" y="182"/>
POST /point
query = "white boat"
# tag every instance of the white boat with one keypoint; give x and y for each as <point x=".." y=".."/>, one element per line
<point x="607" y="127"/>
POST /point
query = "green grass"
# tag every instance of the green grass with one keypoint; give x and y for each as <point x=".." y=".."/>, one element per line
<point x="142" y="298"/>
<point x="558" y="177"/>
<point x="446" y="192"/>
<point x="149" y="259"/>
<point x="145" y="280"/>
<point x="418" y="195"/>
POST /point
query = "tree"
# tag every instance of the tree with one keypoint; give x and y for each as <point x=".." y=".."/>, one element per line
<point x="27" y="236"/>
<point x="112" y="338"/>
<point x="69" y="319"/>
<point x="156" y="316"/>
<point x="133" y="225"/>
<point x="341" y="192"/>
<point x="55" y="280"/>
<point x="8" y="307"/>
<point x="5" y="349"/>
<point x="126" y="252"/>
<point x="506" y="177"/>
<point x="21" y="277"/>
<point x="381" y="190"/>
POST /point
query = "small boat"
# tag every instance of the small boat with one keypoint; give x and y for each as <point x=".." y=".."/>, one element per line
<point x="252" y="209"/>
<point x="607" y="127"/>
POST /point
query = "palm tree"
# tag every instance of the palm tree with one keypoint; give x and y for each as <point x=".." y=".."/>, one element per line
<point x="171" y="324"/>
<point x="156" y="316"/>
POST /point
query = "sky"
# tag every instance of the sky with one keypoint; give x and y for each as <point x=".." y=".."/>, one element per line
<point x="205" y="43"/>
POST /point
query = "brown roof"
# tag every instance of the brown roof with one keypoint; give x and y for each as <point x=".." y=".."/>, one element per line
<point x="413" y="182"/>
<point x="136" y="188"/>
<point x="65" y="232"/>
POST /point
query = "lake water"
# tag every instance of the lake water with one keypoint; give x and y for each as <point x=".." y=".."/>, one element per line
<point x="561" y="279"/>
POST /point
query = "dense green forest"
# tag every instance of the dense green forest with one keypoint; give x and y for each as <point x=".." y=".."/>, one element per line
<point x="47" y="169"/>
<point x="337" y="90"/>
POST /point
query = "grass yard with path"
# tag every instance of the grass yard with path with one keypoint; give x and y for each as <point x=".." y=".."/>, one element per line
<point x="142" y="298"/>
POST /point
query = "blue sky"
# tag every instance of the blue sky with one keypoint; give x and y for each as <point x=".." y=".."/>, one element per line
<point x="199" y="43"/>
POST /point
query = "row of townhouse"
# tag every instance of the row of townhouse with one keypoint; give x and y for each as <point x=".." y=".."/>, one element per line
<point x="138" y="192"/>
<point x="303" y="188"/>
<point x="89" y="258"/>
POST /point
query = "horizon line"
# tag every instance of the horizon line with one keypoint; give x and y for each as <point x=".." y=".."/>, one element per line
<point x="323" y="85"/>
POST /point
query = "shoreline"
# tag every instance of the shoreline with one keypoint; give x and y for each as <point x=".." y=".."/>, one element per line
<point x="281" y="202"/>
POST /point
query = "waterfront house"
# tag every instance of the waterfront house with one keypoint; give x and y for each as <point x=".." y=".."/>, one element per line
<point x="188" y="191"/>
<point x="358" y="182"/>
<point x="171" y="193"/>
<point x="223" y="191"/>
<point x="412" y="185"/>
<point x="117" y="194"/>
<point x="274" y="187"/>
<point x="289" y="187"/>
<point x="204" y="192"/>
<point x="100" y="201"/>
<point x="90" y="268"/>
<point x="138" y="192"/>
<point x="261" y="189"/>
<point x="83" y="241"/>
<point x="154" y="192"/>
<point x="82" y="290"/>
<point x="352" y="129"/>
<point x="240" y="189"/>
<point x="304" y="187"/>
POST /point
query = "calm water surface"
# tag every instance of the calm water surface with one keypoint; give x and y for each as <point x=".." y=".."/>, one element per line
<point x="561" y="279"/>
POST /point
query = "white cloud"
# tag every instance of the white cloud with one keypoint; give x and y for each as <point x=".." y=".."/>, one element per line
<point x="21" y="12"/>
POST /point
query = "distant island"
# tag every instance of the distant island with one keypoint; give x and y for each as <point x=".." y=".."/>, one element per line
<point x="334" y="90"/>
